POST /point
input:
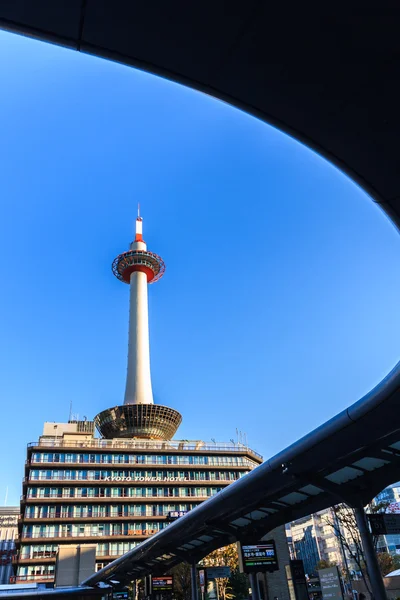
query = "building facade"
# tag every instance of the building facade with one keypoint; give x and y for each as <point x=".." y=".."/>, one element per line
<point x="117" y="490"/>
<point x="114" y="493"/>
<point x="312" y="539"/>
<point x="8" y="534"/>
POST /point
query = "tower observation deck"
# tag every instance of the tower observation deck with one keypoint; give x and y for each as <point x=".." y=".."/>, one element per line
<point x="138" y="417"/>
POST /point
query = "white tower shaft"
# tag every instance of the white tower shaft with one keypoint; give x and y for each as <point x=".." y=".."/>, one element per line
<point x="138" y="379"/>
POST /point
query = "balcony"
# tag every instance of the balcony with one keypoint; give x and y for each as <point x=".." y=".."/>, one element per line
<point x="141" y="534"/>
<point x="34" y="578"/>
<point x="42" y="557"/>
<point x="142" y="464"/>
<point x="81" y="498"/>
<point x="151" y="481"/>
<point x="91" y="517"/>
<point x="50" y="557"/>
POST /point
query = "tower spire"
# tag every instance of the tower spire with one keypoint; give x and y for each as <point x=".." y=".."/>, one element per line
<point x="139" y="416"/>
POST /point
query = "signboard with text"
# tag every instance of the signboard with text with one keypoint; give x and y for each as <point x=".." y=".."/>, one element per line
<point x="175" y="514"/>
<point x="384" y="524"/>
<point x="331" y="587"/>
<point x="163" y="584"/>
<point x="217" y="572"/>
<point x="260" y="557"/>
<point x="202" y="580"/>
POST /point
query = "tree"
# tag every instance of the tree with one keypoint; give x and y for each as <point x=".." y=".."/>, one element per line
<point x="386" y="563"/>
<point x="239" y="584"/>
<point x="182" y="581"/>
<point x="343" y="521"/>
<point x="344" y="524"/>
<point x="235" y="586"/>
<point x="325" y="564"/>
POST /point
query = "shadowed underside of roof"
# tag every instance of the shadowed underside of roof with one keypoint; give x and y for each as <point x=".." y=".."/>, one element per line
<point x="326" y="74"/>
<point x="329" y="77"/>
<point x="348" y="459"/>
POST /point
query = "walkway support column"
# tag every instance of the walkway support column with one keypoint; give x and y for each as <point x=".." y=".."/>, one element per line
<point x="193" y="578"/>
<point x="375" y="577"/>
<point x="255" y="591"/>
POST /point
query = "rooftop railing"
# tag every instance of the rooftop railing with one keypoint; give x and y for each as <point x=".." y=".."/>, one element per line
<point x="120" y="444"/>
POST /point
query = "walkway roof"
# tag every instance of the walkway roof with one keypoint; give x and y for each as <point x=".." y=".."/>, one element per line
<point x="328" y="74"/>
<point x="350" y="458"/>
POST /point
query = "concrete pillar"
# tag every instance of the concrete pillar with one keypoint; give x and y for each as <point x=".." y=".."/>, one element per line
<point x="193" y="580"/>
<point x="74" y="564"/>
<point x="255" y="590"/>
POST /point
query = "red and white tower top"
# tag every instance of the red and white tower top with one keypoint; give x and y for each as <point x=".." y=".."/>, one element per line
<point x="138" y="258"/>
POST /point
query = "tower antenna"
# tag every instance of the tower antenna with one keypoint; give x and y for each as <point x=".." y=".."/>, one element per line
<point x="138" y="210"/>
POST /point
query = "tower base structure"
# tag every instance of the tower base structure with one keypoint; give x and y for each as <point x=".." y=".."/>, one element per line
<point x="145" y="421"/>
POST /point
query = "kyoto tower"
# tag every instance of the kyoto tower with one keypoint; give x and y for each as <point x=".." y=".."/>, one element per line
<point x="138" y="417"/>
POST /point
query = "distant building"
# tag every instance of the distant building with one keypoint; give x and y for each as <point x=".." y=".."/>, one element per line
<point x="389" y="495"/>
<point x="312" y="539"/>
<point x="8" y="534"/>
<point x="389" y="498"/>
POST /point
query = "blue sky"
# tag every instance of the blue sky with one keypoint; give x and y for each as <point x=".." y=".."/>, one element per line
<point x="279" y="306"/>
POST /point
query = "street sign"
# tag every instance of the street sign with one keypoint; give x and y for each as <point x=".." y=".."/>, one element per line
<point x="163" y="584"/>
<point x="175" y="514"/>
<point x="217" y="572"/>
<point x="385" y="524"/>
<point x="330" y="584"/>
<point x="260" y="557"/>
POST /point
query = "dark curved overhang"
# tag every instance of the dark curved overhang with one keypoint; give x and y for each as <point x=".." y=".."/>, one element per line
<point x="350" y="458"/>
<point x="326" y="74"/>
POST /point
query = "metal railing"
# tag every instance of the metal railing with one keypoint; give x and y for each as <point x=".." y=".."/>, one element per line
<point x="53" y="555"/>
<point x="24" y="578"/>
<point x="121" y="497"/>
<point x="134" y="479"/>
<point x="182" y="446"/>
<point x="31" y="535"/>
<point x="90" y="515"/>
<point x="37" y="554"/>
<point x="218" y="462"/>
